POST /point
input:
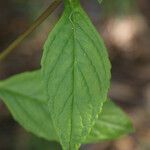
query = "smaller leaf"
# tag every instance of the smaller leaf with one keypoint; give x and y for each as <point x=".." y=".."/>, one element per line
<point x="27" y="102"/>
<point x="25" y="97"/>
<point x="111" y="124"/>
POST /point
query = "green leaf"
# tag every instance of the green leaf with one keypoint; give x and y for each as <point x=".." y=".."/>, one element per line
<point x="27" y="102"/>
<point x="111" y="124"/>
<point x="76" y="71"/>
<point x="25" y="97"/>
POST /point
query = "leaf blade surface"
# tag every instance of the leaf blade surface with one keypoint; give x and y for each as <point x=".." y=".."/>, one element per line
<point x="111" y="123"/>
<point x="25" y="97"/>
<point x="76" y="71"/>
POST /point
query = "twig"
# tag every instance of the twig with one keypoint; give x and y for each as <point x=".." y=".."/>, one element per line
<point x="35" y="24"/>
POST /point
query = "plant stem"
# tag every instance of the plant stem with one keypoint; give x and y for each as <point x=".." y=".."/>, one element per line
<point x="35" y="24"/>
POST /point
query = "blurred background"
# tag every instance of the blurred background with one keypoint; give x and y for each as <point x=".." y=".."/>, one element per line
<point x="125" y="28"/>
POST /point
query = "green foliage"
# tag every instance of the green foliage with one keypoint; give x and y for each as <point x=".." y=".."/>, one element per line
<point x="66" y="101"/>
<point x="25" y="97"/>
<point x="111" y="124"/>
<point x="27" y="102"/>
<point x="76" y="71"/>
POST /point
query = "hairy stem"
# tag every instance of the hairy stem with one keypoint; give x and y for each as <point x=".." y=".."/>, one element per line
<point x="35" y="24"/>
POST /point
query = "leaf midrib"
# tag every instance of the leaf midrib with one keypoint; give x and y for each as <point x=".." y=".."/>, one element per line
<point x="73" y="58"/>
